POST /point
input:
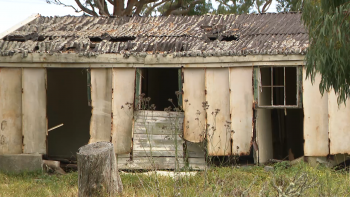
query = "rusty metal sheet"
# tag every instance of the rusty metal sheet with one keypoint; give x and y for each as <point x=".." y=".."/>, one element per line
<point x="10" y="111"/>
<point x="315" y="118"/>
<point x="101" y="96"/>
<point x="241" y="108"/>
<point x="193" y="98"/>
<point x="123" y="108"/>
<point x="218" y="112"/>
<point x="339" y="125"/>
<point x="34" y="122"/>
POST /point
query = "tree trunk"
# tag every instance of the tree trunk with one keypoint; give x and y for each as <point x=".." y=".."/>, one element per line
<point x="98" y="171"/>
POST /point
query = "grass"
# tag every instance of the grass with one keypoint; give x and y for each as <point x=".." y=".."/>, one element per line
<point x="217" y="181"/>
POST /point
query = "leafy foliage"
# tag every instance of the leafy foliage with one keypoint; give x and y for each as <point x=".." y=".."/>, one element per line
<point x="328" y="54"/>
<point x="236" y="7"/>
<point x="288" y="5"/>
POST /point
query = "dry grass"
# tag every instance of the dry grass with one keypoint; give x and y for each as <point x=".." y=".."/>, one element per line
<point x="217" y="181"/>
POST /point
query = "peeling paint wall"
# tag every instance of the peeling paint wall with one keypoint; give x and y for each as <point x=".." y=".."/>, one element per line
<point x="34" y="122"/>
<point x="101" y="96"/>
<point x="218" y="98"/>
<point x="241" y="107"/>
<point x="315" y="118"/>
<point x="339" y="125"/>
<point x="228" y="90"/>
<point x="10" y="111"/>
<point x="123" y="108"/>
<point x="193" y="98"/>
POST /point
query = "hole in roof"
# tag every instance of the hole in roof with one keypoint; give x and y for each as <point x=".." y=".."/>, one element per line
<point x="15" y="38"/>
<point x="95" y="39"/>
<point x="36" y="48"/>
<point x="229" y="38"/>
<point x="41" y="38"/>
<point x="122" y="39"/>
<point x="70" y="49"/>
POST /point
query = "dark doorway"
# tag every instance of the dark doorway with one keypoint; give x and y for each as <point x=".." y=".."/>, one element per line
<point x="160" y="84"/>
<point x="287" y="133"/>
<point x="67" y="103"/>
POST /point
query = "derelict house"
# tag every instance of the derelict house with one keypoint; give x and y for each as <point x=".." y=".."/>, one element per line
<point x="239" y="80"/>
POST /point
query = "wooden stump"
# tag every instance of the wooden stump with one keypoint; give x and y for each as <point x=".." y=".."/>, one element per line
<point x="98" y="171"/>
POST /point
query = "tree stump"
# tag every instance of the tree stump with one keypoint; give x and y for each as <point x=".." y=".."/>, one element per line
<point x="98" y="170"/>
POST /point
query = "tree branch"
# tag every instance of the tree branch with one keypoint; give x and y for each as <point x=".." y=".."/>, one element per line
<point x="149" y="10"/>
<point x="92" y="7"/>
<point x="267" y="3"/>
<point x="85" y="9"/>
<point x="100" y="6"/>
<point x="118" y="7"/>
<point x="139" y="8"/>
<point x="173" y="7"/>
<point x="111" y="2"/>
<point x="190" y="7"/>
<point x="58" y="2"/>
<point x="130" y="5"/>
<point x="106" y="8"/>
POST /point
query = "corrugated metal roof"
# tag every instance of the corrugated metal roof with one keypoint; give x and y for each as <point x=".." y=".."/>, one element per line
<point x="208" y="35"/>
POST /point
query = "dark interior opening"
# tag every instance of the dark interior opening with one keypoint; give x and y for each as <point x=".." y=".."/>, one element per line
<point x="229" y="38"/>
<point x="160" y="84"/>
<point x="287" y="133"/>
<point x="291" y="87"/>
<point x="95" y="39"/>
<point x="67" y="103"/>
<point x="122" y="39"/>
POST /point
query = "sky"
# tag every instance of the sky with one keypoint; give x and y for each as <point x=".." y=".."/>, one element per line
<point x="13" y="12"/>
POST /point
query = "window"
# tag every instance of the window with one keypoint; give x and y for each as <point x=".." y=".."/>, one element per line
<point x="279" y="87"/>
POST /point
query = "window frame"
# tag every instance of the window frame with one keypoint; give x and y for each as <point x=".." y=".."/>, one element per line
<point x="258" y="87"/>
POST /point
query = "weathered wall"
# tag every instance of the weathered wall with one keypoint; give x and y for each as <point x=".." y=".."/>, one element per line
<point x="193" y="98"/>
<point x="339" y="125"/>
<point x="122" y="102"/>
<point x="101" y="96"/>
<point x="315" y="118"/>
<point x="241" y="108"/>
<point x="34" y="122"/>
<point x="218" y="113"/>
<point x="10" y="111"/>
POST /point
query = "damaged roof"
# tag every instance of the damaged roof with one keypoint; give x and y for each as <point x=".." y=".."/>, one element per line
<point x="207" y="35"/>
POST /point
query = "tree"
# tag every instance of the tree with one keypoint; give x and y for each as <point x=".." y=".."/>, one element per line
<point x="234" y="7"/>
<point x="194" y="8"/>
<point x="242" y="6"/>
<point x="135" y="7"/>
<point x="288" y="5"/>
<point x="328" y="26"/>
